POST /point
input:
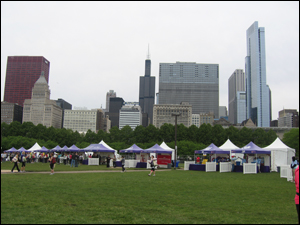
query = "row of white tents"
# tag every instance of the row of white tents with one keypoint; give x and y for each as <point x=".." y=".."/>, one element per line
<point x="281" y="154"/>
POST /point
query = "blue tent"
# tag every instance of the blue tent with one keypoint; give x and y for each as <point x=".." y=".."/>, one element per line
<point x="43" y="149"/>
<point x="97" y="148"/>
<point x="156" y="149"/>
<point x="11" y="150"/>
<point x="251" y="148"/>
<point x="74" y="148"/>
<point x="133" y="149"/>
<point x="212" y="149"/>
<point x="56" y="149"/>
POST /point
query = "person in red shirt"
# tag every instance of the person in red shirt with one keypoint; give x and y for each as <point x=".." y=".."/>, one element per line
<point x="297" y="190"/>
<point x="198" y="160"/>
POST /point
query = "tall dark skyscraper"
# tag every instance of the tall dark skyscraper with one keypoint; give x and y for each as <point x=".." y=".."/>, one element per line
<point x="21" y="74"/>
<point x="147" y="92"/>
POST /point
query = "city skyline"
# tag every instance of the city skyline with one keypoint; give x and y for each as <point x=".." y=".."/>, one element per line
<point x="106" y="47"/>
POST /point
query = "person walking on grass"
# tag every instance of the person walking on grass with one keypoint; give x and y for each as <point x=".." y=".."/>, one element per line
<point x="52" y="163"/>
<point x="15" y="160"/>
<point x="23" y="159"/>
<point x="123" y="164"/>
<point x="153" y="163"/>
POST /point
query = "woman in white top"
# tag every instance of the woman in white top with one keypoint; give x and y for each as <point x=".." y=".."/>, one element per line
<point x="153" y="164"/>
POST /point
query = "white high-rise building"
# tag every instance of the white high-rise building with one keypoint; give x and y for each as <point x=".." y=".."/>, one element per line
<point x="237" y="97"/>
<point x="130" y="115"/>
<point x="40" y="109"/>
<point x="257" y="90"/>
<point x="83" y="120"/>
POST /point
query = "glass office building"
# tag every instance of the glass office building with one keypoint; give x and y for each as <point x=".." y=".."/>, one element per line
<point x="21" y="74"/>
<point x="191" y="82"/>
<point x="257" y="90"/>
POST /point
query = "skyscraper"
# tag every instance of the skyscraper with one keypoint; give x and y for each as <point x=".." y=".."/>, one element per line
<point x="21" y="74"/>
<point x="40" y="109"/>
<point x="191" y="82"/>
<point x="110" y="94"/>
<point x="147" y="91"/>
<point x="237" y="97"/>
<point x="257" y="90"/>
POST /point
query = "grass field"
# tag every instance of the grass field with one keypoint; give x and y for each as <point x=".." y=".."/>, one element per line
<point x="169" y="197"/>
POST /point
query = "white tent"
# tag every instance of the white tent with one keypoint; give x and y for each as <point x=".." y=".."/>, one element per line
<point x="228" y="145"/>
<point x="280" y="154"/>
<point x="36" y="146"/>
<point x="107" y="146"/>
<point x="166" y="147"/>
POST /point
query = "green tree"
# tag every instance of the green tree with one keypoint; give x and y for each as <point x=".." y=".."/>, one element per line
<point x="291" y="139"/>
<point x="91" y="137"/>
<point x="27" y="129"/>
<point x="151" y="134"/>
<point x="139" y="134"/>
<point x="245" y="136"/>
<point x="259" y="137"/>
<point x="182" y="132"/>
<point x="205" y="134"/>
<point x="233" y="134"/>
<point x="114" y="134"/>
<point x="14" y="129"/>
<point x="126" y="134"/>
<point x="192" y="133"/>
<point x="218" y="135"/>
<point x="167" y="132"/>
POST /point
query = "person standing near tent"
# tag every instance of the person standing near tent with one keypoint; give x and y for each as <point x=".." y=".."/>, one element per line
<point x="153" y="163"/>
<point x="108" y="161"/>
<point x="123" y="164"/>
<point x="52" y="163"/>
<point x="72" y="160"/>
<point x="233" y="159"/>
<point x="297" y="191"/>
<point x="114" y="161"/>
<point x="198" y="160"/>
<point x="15" y="160"/>
<point x="294" y="166"/>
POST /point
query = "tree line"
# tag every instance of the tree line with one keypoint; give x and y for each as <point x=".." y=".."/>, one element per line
<point x="189" y="139"/>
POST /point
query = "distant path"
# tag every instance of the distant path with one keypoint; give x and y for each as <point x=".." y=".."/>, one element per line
<point x="88" y="171"/>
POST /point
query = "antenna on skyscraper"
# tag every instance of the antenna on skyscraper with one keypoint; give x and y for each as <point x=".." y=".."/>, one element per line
<point x="148" y="55"/>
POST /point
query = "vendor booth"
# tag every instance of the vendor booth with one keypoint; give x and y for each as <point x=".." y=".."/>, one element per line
<point x="228" y="146"/>
<point x="253" y="162"/>
<point x="218" y="159"/>
<point x="140" y="160"/>
<point x="163" y="156"/>
<point x="281" y="154"/>
<point x="34" y="147"/>
<point x="99" y="148"/>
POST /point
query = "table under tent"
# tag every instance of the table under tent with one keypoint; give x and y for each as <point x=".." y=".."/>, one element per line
<point x="104" y="155"/>
<point x="281" y="154"/>
<point x="214" y="163"/>
<point x="251" y="150"/>
<point x="228" y="146"/>
<point x="101" y="150"/>
<point x="138" y="158"/>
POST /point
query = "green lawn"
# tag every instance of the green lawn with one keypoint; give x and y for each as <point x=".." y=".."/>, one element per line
<point x="169" y="197"/>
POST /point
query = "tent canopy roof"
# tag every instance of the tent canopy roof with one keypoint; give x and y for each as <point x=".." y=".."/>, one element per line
<point x="132" y="149"/>
<point x="212" y="149"/>
<point x="251" y="148"/>
<point x="157" y="149"/>
<point x="98" y="148"/>
<point x="278" y="144"/>
<point x="228" y="145"/>
<point x="34" y="147"/>
<point x="166" y="147"/>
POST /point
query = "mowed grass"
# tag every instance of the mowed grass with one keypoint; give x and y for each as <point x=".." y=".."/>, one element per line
<point x="170" y="197"/>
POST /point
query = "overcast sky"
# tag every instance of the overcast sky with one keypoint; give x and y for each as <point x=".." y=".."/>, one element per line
<point x="94" y="47"/>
